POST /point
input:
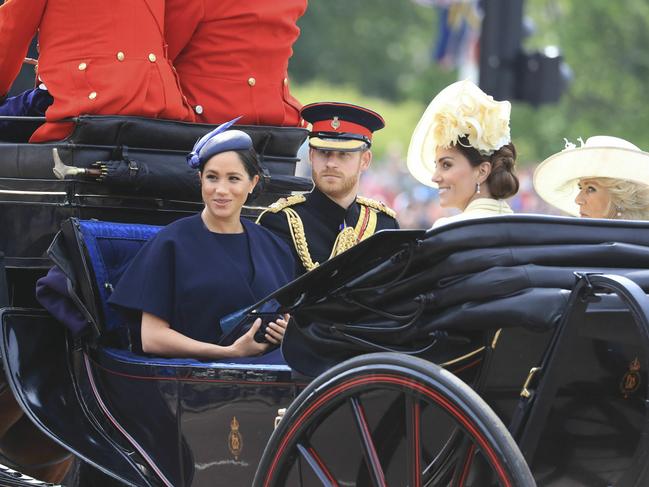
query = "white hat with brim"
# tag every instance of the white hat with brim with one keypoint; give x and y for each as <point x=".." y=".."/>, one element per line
<point x="421" y="151"/>
<point x="601" y="156"/>
<point x="461" y="109"/>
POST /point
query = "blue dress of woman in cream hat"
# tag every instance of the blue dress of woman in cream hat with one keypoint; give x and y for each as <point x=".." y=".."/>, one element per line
<point x="606" y="177"/>
<point x="204" y="267"/>
<point x="462" y="146"/>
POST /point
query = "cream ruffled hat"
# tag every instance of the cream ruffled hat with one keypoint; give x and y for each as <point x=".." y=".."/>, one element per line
<point x="460" y="109"/>
<point x="601" y="156"/>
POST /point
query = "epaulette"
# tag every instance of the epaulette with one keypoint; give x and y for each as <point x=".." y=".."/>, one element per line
<point x="282" y="203"/>
<point x="377" y="205"/>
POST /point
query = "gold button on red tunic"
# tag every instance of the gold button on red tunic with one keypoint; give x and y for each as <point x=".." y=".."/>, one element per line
<point x="78" y="57"/>
<point x="223" y="48"/>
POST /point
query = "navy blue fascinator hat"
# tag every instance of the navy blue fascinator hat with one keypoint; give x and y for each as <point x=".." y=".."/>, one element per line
<point x="218" y="140"/>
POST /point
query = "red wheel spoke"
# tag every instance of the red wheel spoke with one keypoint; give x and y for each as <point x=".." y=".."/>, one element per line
<point x="413" y="441"/>
<point x="467" y="465"/>
<point x="317" y="465"/>
<point x="369" y="450"/>
<point x="419" y="396"/>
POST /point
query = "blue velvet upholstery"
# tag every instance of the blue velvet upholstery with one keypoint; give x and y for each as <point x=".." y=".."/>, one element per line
<point x="272" y="361"/>
<point x="111" y="246"/>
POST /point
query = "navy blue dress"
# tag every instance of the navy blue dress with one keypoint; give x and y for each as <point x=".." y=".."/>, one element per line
<point x="191" y="277"/>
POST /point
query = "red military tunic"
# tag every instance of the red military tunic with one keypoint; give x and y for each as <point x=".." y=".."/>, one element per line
<point x="96" y="57"/>
<point x="232" y="57"/>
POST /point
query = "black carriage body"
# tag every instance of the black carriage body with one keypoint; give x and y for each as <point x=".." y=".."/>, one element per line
<point x="481" y="298"/>
<point x="145" y="421"/>
<point x="498" y="290"/>
<point x="493" y="293"/>
<point x="157" y="188"/>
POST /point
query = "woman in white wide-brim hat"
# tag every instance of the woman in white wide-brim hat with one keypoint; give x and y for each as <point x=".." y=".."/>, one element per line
<point x="462" y="146"/>
<point x="607" y="177"/>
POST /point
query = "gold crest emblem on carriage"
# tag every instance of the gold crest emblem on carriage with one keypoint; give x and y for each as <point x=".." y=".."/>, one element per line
<point x="235" y="440"/>
<point x="335" y="123"/>
<point x="631" y="380"/>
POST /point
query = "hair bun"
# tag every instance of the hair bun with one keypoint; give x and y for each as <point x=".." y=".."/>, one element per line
<point x="502" y="163"/>
<point x="503" y="182"/>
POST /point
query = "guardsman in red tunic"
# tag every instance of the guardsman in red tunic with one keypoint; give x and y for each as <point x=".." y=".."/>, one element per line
<point x="333" y="217"/>
<point x="232" y="58"/>
<point x="96" y="57"/>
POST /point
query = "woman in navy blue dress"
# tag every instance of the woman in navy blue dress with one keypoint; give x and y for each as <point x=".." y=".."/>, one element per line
<point x="204" y="267"/>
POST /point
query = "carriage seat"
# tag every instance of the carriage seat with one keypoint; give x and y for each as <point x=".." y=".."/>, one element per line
<point x="175" y="135"/>
<point x="100" y="252"/>
<point x="160" y="134"/>
<point x="146" y="158"/>
<point x="111" y="137"/>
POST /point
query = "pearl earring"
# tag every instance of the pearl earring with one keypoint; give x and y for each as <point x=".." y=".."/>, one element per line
<point x="477" y="188"/>
<point x="619" y="211"/>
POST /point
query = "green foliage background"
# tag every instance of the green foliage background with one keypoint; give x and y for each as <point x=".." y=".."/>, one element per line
<point x="379" y="53"/>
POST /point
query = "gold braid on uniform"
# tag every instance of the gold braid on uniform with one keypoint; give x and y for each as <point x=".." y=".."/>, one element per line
<point x="376" y="205"/>
<point x="345" y="240"/>
<point x="296" y="228"/>
<point x="365" y="226"/>
<point x="282" y="203"/>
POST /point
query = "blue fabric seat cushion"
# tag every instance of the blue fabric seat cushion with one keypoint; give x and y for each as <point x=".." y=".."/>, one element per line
<point x="272" y="360"/>
<point x="111" y="247"/>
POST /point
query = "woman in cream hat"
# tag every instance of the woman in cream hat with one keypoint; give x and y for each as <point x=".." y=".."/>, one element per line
<point x="462" y="146"/>
<point x="607" y="177"/>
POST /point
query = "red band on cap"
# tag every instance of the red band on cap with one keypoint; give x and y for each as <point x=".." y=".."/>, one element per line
<point x="341" y="126"/>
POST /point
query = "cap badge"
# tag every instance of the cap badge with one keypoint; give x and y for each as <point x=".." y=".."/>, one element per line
<point x="335" y="123"/>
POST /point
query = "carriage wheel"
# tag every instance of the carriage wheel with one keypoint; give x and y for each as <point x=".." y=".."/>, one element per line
<point x="448" y="434"/>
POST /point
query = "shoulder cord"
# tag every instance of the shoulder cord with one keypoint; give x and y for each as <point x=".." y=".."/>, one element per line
<point x="346" y="239"/>
<point x="377" y="205"/>
<point x="296" y="228"/>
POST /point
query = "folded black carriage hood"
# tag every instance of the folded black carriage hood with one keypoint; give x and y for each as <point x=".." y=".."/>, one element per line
<point x="513" y="270"/>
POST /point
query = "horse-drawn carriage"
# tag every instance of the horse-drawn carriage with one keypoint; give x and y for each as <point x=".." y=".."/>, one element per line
<point x="504" y="351"/>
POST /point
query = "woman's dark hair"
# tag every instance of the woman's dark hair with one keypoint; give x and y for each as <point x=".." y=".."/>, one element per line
<point x="251" y="164"/>
<point x="502" y="181"/>
<point x="248" y="158"/>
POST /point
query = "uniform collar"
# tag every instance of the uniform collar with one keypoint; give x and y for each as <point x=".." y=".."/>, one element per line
<point x="332" y="213"/>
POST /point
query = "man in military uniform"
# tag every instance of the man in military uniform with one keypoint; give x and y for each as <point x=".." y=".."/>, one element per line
<point x="332" y="218"/>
